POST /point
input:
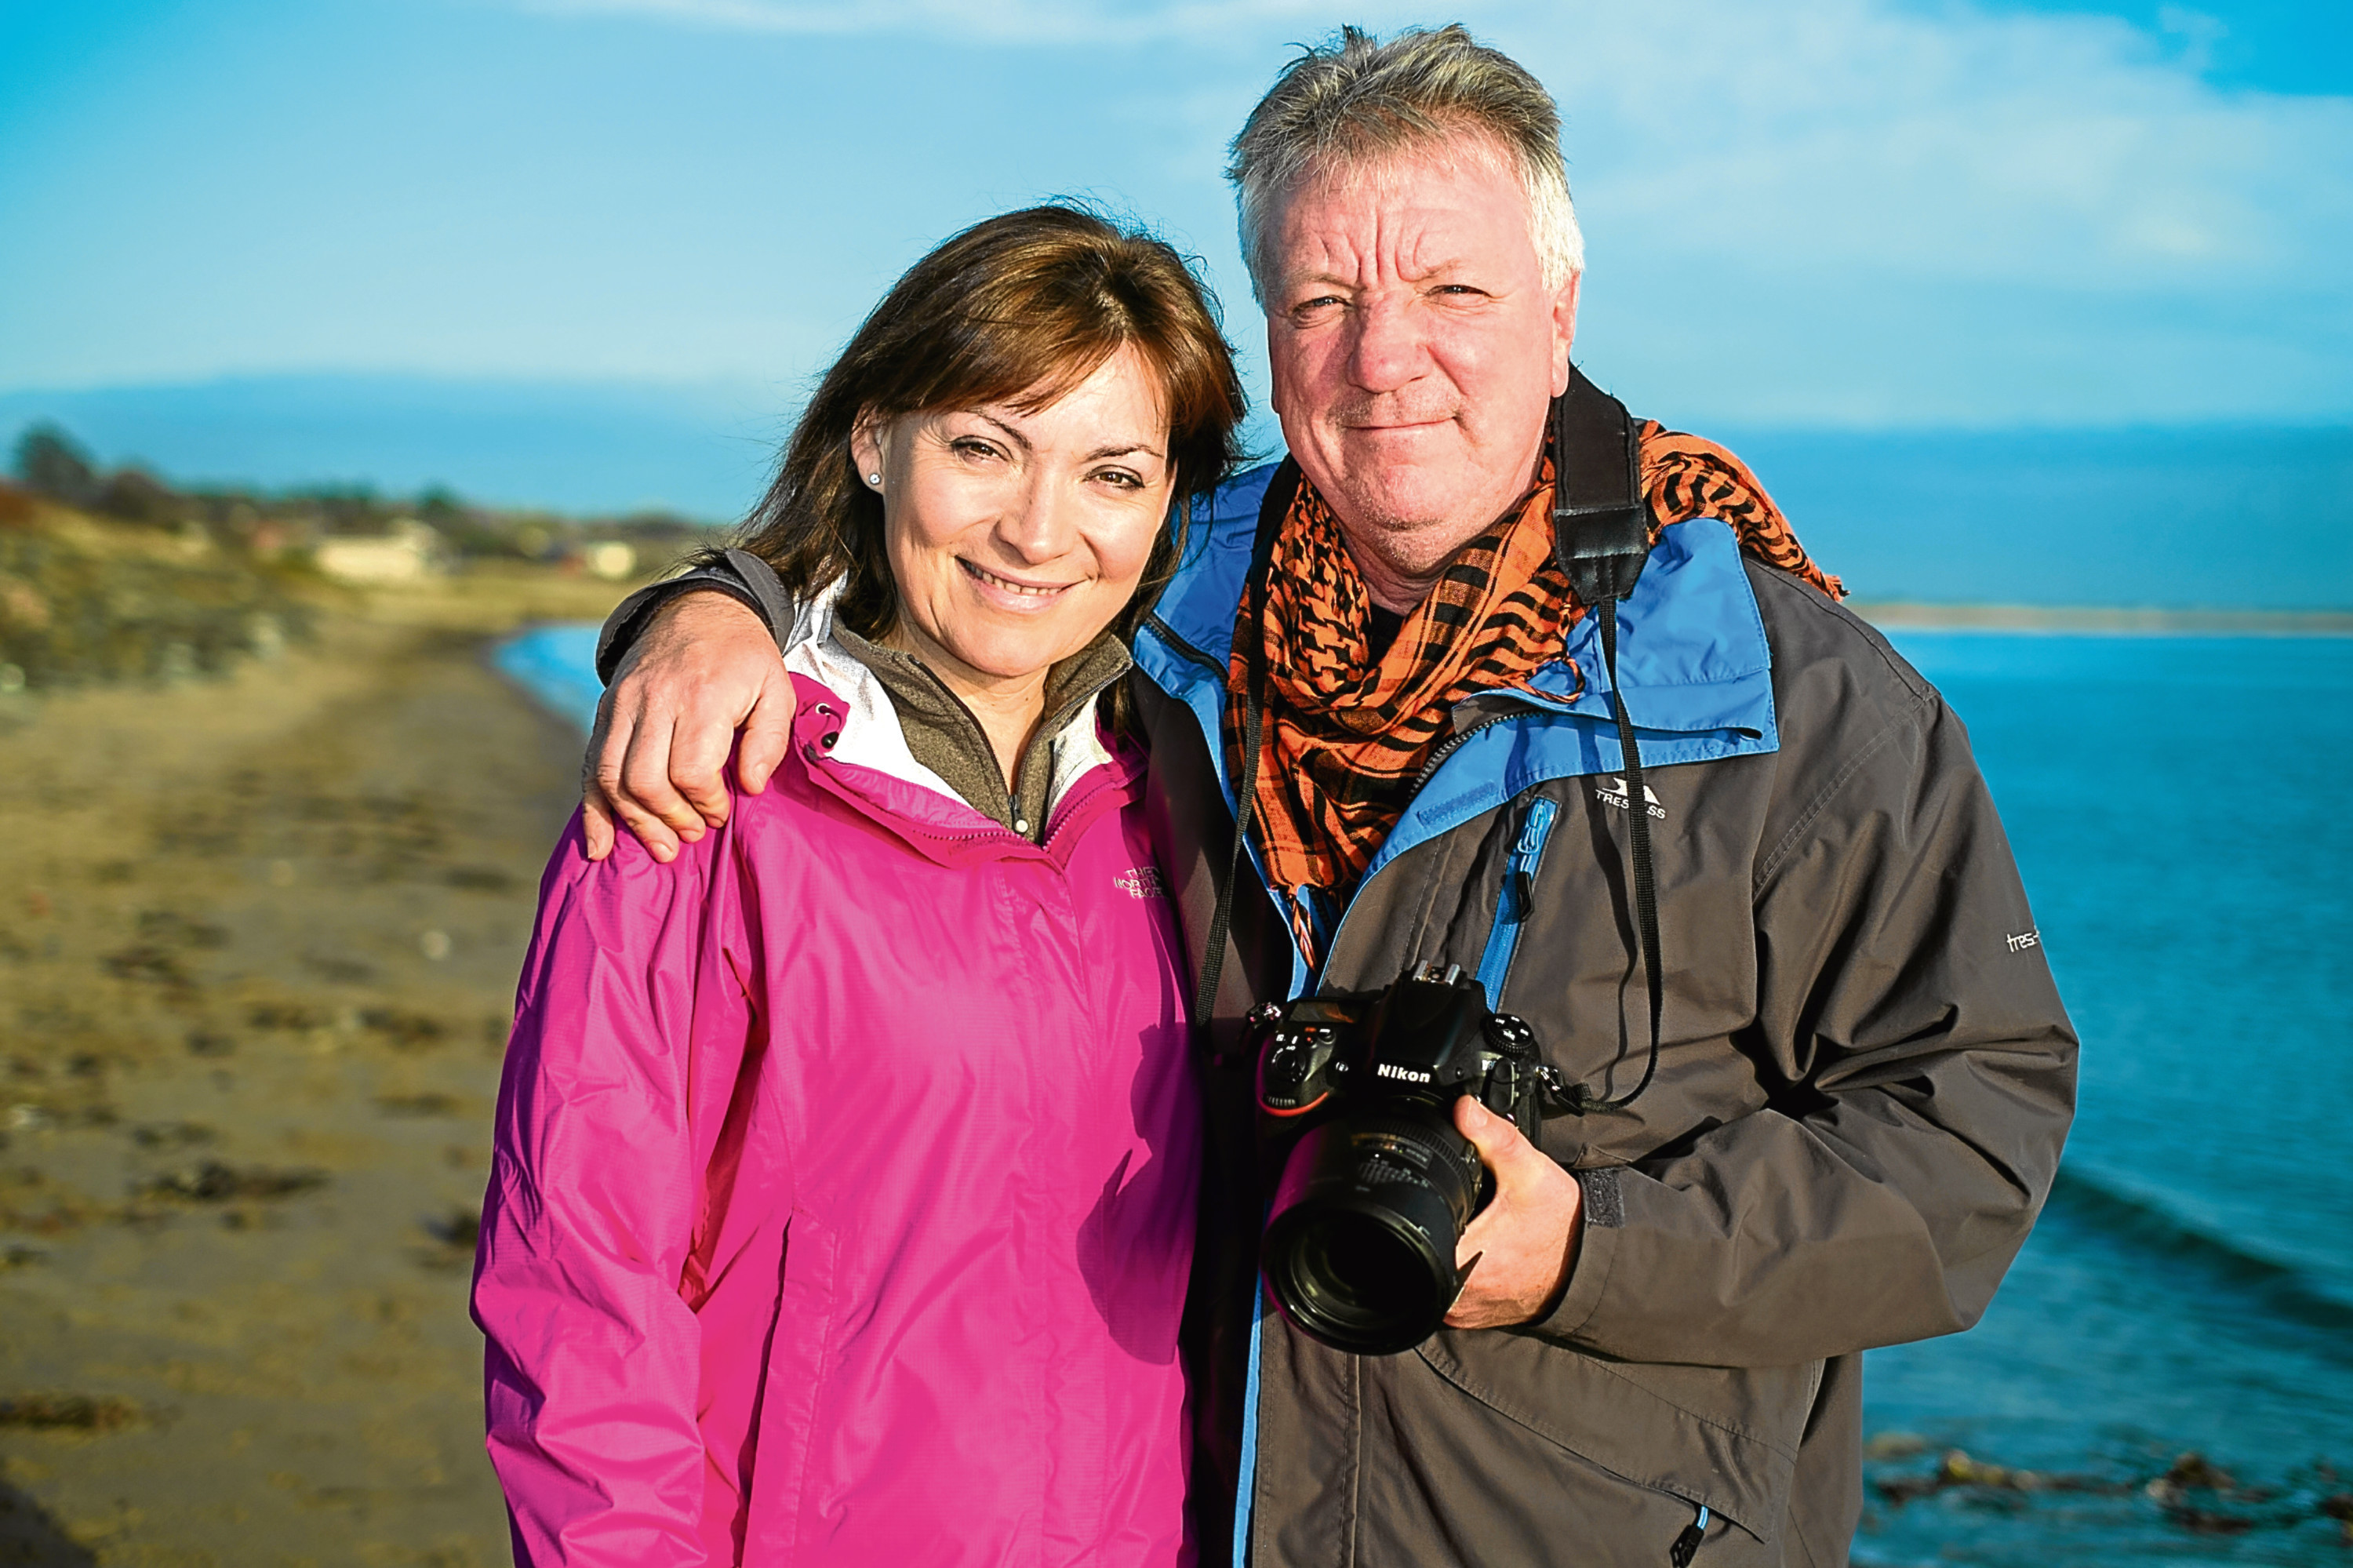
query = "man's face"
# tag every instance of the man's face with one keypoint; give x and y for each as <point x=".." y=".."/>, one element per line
<point x="1415" y="347"/>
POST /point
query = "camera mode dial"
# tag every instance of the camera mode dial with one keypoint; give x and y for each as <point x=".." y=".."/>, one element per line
<point x="1297" y="1069"/>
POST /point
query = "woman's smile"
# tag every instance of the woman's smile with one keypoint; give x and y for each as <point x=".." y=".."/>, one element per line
<point x="1011" y="593"/>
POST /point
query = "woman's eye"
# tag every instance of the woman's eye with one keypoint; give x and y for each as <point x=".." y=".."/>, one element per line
<point x="970" y="447"/>
<point x="1122" y="478"/>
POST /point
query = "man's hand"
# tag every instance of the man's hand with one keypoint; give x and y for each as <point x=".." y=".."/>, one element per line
<point x="1526" y="1240"/>
<point x="705" y="667"/>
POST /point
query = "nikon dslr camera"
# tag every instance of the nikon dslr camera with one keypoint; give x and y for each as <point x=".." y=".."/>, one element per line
<point x="1379" y="1188"/>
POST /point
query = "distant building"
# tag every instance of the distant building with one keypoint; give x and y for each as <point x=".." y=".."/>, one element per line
<point x="609" y="560"/>
<point x="410" y="552"/>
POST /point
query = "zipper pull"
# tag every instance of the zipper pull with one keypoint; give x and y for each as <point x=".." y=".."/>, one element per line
<point x="1686" y="1546"/>
<point x="1541" y="813"/>
<point x="1520" y="873"/>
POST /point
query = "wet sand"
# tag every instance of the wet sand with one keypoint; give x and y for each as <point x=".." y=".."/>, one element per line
<point x="259" y="938"/>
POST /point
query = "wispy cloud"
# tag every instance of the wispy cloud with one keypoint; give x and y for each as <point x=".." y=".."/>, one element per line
<point x="1860" y="210"/>
<point x="2058" y="150"/>
<point x="1881" y="212"/>
<point x="1892" y="207"/>
<point x="1001" y="21"/>
<point x="1946" y="143"/>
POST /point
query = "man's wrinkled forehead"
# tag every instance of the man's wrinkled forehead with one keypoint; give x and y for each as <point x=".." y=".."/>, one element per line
<point x="1372" y="181"/>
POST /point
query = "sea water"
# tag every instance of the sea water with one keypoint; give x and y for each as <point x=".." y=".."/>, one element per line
<point x="2179" y="810"/>
<point x="2180" y="813"/>
<point x="557" y="664"/>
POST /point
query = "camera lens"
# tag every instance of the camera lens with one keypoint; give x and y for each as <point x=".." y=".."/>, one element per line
<point x="1359" y="1279"/>
<point x="1359" y="1250"/>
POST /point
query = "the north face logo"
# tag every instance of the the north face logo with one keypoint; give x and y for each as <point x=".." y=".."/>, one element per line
<point x="1614" y="794"/>
<point x="1141" y="882"/>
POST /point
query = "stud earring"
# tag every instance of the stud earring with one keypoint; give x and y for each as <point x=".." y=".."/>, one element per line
<point x="875" y="480"/>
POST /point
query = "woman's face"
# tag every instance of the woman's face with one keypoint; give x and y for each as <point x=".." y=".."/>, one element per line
<point x="1014" y="538"/>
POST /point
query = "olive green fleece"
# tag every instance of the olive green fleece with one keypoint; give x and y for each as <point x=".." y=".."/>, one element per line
<point x="947" y="737"/>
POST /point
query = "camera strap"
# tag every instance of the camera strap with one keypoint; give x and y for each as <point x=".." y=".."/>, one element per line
<point x="1601" y="538"/>
<point x="1273" y="508"/>
<point x="1645" y="889"/>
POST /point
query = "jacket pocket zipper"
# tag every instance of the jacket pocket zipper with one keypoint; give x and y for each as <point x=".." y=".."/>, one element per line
<point x="1517" y="899"/>
<point x="1686" y="1546"/>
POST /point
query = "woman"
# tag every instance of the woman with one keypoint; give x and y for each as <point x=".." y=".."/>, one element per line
<point x="843" y="1196"/>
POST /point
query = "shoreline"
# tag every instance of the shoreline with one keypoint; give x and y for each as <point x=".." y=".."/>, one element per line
<point x="2102" y="620"/>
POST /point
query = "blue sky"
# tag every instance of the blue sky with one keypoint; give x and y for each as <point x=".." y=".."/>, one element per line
<point x="1857" y="214"/>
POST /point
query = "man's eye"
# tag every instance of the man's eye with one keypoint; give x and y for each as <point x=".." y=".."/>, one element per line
<point x="1319" y="303"/>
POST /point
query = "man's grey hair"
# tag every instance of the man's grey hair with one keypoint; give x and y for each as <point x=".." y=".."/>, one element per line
<point x="1352" y="103"/>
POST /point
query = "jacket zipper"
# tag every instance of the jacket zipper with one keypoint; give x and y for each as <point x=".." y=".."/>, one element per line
<point x="1454" y="745"/>
<point x="1427" y="769"/>
<point x="1167" y="635"/>
<point x="1061" y="821"/>
<point x="1516" y="900"/>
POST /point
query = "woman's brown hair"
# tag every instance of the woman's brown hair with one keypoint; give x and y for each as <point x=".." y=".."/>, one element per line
<point x="1018" y="309"/>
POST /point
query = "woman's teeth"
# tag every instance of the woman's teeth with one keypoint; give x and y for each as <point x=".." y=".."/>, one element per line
<point x="1023" y="589"/>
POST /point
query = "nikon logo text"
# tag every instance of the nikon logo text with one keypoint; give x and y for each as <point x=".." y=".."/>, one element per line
<point x="1391" y="1070"/>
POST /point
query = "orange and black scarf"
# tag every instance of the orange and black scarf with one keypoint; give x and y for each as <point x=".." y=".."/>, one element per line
<point x="1345" y="734"/>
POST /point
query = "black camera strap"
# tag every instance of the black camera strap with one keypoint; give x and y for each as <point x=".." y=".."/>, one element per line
<point x="1271" y="510"/>
<point x="1601" y="536"/>
<point x="1646" y="887"/>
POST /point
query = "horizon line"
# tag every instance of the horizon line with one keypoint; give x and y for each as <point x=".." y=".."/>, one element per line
<point x="737" y="385"/>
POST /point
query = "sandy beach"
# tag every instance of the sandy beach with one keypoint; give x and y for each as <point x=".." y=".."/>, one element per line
<point x="259" y="937"/>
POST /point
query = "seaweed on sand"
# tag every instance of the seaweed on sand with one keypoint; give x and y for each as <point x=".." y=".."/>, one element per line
<point x="2192" y="1493"/>
<point x="67" y="1412"/>
<point x="213" y="1181"/>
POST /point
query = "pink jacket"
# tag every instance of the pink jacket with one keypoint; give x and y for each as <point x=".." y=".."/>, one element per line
<point x="843" y="1197"/>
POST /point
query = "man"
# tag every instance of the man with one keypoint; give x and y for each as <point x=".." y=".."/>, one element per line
<point x="1424" y="641"/>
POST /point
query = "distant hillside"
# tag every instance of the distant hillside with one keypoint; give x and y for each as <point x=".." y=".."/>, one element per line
<point x="699" y="450"/>
<point x="110" y="575"/>
<point x="85" y="598"/>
